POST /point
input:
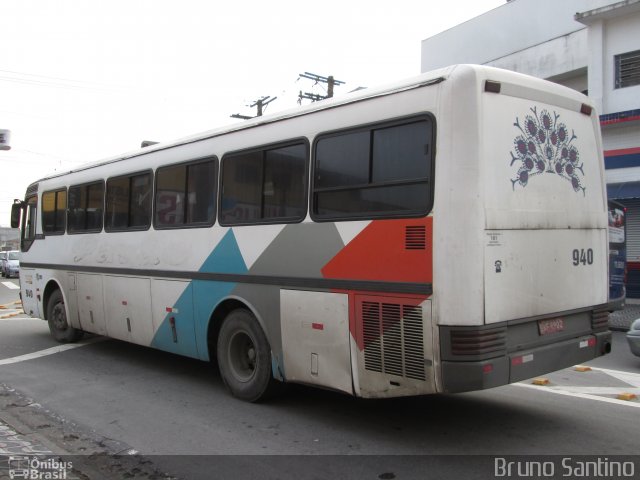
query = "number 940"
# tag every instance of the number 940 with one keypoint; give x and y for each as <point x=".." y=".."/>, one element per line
<point x="582" y="257"/>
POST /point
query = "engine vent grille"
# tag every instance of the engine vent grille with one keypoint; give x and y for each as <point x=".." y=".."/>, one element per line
<point x="415" y="237"/>
<point x="393" y="338"/>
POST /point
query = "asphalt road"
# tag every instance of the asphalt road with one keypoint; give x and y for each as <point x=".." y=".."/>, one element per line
<point x="107" y="396"/>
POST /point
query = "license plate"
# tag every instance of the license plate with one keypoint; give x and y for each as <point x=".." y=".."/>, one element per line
<point x="551" y="325"/>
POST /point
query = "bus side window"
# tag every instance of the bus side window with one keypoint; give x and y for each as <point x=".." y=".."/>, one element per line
<point x="376" y="172"/>
<point x="185" y="195"/>
<point x="264" y="185"/>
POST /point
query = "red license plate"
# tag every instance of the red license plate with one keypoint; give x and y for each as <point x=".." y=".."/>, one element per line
<point x="551" y="325"/>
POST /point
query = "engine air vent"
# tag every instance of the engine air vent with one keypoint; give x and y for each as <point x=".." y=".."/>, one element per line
<point x="415" y="237"/>
<point x="393" y="338"/>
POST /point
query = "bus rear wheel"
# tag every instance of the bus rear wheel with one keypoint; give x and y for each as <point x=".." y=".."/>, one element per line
<point x="244" y="357"/>
<point x="57" y="319"/>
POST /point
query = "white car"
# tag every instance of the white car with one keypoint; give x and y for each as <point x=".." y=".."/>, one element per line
<point x="633" y="337"/>
<point x="11" y="264"/>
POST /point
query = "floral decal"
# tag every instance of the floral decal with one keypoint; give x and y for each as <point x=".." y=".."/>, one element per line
<point x="544" y="146"/>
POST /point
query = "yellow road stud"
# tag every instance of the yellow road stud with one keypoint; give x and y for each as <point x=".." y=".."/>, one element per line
<point x="627" y="396"/>
<point x="541" y="381"/>
<point x="582" y="368"/>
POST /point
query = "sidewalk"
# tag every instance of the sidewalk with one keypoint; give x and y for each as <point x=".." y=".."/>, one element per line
<point x="622" y="319"/>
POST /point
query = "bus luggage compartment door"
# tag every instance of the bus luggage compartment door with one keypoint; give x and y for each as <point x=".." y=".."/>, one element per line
<point x="90" y="303"/>
<point x="315" y="338"/>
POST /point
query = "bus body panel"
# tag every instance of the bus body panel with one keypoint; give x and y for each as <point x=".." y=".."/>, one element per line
<point x="458" y="224"/>
<point x="28" y="294"/>
<point x="535" y="272"/>
<point x="545" y="245"/>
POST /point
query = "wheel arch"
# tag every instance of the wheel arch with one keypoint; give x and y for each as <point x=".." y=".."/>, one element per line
<point x="52" y="286"/>
<point x="220" y="312"/>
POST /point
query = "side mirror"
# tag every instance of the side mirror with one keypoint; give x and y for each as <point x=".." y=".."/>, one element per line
<point x="16" y="210"/>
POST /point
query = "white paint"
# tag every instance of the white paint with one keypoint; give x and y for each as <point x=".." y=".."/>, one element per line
<point x="254" y="240"/>
<point x="50" y="351"/>
<point x="11" y="285"/>
<point x="566" y="392"/>
<point x="595" y="392"/>
<point x="350" y="230"/>
<point x="628" y="377"/>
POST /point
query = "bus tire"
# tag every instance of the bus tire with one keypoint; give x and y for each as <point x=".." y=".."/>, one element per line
<point x="244" y="357"/>
<point x="57" y="319"/>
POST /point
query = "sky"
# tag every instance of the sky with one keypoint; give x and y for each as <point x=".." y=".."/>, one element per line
<point x="82" y="80"/>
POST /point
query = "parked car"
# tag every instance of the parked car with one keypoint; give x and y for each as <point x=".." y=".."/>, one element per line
<point x="11" y="264"/>
<point x="633" y="337"/>
<point x="3" y="260"/>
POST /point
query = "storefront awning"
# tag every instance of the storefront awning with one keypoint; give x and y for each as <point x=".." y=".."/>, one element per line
<point x="617" y="191"/>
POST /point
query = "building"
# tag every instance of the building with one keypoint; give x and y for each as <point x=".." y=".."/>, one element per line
<point x="592" y="46"/>
<point x="9" y="238"/>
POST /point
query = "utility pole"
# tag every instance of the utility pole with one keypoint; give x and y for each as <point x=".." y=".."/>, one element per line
<point x="261" y="103"/>
<point x="330" y="81"/>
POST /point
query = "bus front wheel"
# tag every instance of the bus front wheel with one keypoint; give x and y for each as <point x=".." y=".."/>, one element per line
<point x="244" y="357"/>
<point x="57" y="318"/>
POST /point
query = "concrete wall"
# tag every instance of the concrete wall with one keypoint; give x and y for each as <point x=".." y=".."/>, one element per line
<point x="560" y="58"/>
<point x="622" y="35"/>
<point x="503" y="31"/>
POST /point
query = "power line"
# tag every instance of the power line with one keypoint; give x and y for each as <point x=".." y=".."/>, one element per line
<point x="314" y="97"/>
<point x="260" y="103"/>
<point x="55" y="82"/>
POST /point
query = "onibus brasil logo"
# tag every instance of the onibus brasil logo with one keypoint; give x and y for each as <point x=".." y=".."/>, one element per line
<point x="545" y="146"/>
<point x="37" y="468"/>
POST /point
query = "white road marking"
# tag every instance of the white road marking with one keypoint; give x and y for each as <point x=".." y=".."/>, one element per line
<point x="594" y="393"/>
<point x="628" y="377"/>
<point x="11" y="285"/>
<point x="50" y="351"/>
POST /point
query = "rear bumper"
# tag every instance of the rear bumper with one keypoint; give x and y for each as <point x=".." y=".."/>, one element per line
<point x="509" y="362"/>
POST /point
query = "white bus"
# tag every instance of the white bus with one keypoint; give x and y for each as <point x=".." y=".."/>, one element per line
<point x="443" y="234"/>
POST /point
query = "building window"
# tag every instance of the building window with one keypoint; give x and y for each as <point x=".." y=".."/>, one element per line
<point x="85" y="208"/>
<point x="128" y="202"/>
<point x="54" y="208"/>
<point x="627" y="69"/>
<point x="185" y="195"/>
<point x="264" y="186"/>
<point x="373" y="172"/>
